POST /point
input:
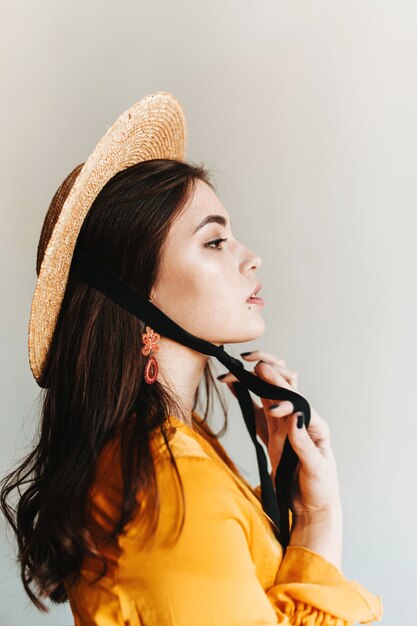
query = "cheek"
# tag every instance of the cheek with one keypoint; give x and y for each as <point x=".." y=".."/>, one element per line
<point x="200" y="286"/>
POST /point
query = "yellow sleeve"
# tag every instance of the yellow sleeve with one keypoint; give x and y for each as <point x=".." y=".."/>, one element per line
<point x="309" y="585"/>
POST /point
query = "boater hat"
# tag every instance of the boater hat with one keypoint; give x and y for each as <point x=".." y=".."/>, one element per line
<point x="152" y="128"/>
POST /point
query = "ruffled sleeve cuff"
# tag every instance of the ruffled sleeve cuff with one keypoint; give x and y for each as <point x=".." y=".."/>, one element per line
<point x="308" y="578"/>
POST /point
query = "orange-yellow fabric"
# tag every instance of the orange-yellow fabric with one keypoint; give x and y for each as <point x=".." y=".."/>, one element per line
<point x="226" y="568"/>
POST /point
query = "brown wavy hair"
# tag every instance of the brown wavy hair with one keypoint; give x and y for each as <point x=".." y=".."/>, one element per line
<point x="94" y="383"/>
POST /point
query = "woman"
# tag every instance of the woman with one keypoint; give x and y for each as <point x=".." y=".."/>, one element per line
<point x="129" y="506"/>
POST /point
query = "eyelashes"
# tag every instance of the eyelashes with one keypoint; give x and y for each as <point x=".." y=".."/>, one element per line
<point x="215" y="241"/>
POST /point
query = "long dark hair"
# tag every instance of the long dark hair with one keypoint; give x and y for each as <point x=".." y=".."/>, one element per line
<point x="94" y="382"/>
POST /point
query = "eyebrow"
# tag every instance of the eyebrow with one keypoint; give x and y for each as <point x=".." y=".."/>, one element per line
<point x="209" y="219"/>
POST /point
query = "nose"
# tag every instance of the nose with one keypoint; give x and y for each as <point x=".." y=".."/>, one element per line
<point x="255" y="261"/>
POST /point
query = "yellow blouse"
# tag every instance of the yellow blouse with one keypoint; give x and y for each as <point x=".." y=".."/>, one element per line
<point x="226" y="568"/>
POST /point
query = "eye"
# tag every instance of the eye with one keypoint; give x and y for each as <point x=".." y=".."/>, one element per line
<point x="215" y="241"/>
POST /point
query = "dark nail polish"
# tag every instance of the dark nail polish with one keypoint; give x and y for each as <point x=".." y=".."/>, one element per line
<point x="274" y="406"/>
<point x="245" y="353"/>
<point x="221" y="376"/>
<point x="300" y="420"/>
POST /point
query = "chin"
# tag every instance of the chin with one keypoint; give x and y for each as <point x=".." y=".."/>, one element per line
<point x="257" y="335"/>
<point x="251" y="334"/>
<point x="256" y="324"/>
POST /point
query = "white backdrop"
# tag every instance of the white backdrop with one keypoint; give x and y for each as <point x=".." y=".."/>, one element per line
<point x="306" y="111"/>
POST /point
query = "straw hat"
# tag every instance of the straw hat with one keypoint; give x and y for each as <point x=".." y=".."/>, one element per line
<point x="153" y="128"/>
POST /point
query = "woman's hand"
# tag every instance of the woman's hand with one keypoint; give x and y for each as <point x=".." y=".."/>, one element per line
<point x="315" y="489"/>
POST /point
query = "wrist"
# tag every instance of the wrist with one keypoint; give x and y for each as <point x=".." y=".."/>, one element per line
<point x="321" y="533"/>
<point x="333" y="514"/>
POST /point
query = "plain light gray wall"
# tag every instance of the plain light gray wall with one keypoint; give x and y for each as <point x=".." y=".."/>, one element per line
<point x="307" y="112"/>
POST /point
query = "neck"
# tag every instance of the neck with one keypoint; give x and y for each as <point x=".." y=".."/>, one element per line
<point x="180" y="369"/>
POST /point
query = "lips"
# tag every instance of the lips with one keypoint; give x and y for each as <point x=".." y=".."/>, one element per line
<point x="255" y="290"/>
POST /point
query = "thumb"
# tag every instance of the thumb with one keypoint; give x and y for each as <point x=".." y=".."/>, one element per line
<point x="304" y="446"/>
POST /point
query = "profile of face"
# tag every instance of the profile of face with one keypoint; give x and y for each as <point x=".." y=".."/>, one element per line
<point x="203" y="284"/>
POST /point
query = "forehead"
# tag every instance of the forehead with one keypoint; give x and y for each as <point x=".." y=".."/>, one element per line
<point x="200" y="209"/>
<point x="203" y="201"/>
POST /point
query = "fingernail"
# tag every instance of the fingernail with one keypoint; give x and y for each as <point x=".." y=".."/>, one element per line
<point x="300" y="420"/>
<point x="245" y="353"/>
<point x="221" y="376"/>
<point x="274" y="406"/>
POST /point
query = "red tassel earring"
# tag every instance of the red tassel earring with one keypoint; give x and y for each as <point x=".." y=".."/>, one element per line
<point x="150" y="339"/>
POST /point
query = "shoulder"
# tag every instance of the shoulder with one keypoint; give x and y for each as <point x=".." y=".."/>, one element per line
<point x="180" y="443"/>
<point x="210" y="489"/>
<point x="204" y="478"/>
<point x="194" y="489"/>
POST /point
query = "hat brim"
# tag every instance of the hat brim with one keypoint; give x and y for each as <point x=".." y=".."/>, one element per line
<point x="152" y="128"/>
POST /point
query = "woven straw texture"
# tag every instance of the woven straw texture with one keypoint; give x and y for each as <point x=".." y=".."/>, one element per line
<point x="152" y="128"/>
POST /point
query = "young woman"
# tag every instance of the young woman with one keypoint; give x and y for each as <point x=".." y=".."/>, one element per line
<point x="128" y="506"/>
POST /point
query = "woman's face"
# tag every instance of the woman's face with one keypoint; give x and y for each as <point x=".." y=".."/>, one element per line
<point x="203" y="285"/>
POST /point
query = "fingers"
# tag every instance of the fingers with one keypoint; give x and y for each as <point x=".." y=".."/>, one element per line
<point x="227" y="378"/>
<point x="318" y="429"/>
<point x="258" y="355"/>
<point x="271" y="374"/>
<point x="305" y="448"/>
<point x="277" y="375"/>
<point x="318" y="432"/>
<point x="283" y="410"/>
<point x="285" y="378"/>
<point x="279" y="364"/>
<point x="311" y="445"/>
<point x="289" y="376"/>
